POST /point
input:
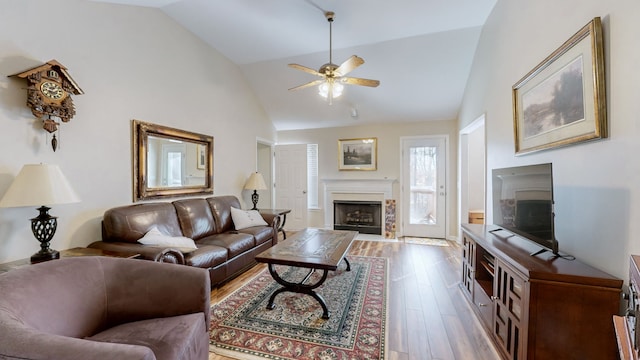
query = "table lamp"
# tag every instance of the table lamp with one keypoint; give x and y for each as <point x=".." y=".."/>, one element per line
<point x="40" y="185"/>
<point x="255" y="183"/>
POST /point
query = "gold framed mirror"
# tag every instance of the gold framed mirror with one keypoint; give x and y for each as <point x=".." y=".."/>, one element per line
<point x="169" y="162"/>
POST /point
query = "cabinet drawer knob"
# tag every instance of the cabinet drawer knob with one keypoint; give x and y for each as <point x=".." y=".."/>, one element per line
<point x="482" y="305"/>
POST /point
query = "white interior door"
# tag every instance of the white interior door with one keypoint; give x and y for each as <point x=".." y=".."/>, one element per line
<point x="423" y="187"/>
<point x="173" y="165"/>
<point x="291" y="184"/>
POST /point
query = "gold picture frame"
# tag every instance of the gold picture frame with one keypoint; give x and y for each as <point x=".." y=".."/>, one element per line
<point x="358" y="154"/>
<point x="148" y="182"/>
<point x="562" y="100"/>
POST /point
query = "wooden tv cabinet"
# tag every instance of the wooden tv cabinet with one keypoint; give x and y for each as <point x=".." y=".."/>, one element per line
<point x="628" y="326"/>
<point x="538" y="307"/>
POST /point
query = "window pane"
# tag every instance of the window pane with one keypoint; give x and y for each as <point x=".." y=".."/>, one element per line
<point x="312" y="176"/>
<point x="423" y="175"/>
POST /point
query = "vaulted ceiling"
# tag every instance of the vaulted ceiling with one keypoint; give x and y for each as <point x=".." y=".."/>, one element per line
<point x="420" y="50"/>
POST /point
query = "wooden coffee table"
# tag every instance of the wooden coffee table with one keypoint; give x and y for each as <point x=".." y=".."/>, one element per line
<point x="315" y="249"/>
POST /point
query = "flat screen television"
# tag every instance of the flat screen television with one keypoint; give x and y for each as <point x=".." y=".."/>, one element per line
<point x="523" y="204"/>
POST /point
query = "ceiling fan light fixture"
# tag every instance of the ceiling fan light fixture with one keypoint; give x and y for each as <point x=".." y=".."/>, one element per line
<point x="330" y="87"/>
<point x="334" y="78"/>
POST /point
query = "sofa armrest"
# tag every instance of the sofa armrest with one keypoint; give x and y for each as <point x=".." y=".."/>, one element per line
<point x="153" y="253"/>
<point x="139" y="290"/>
<point x="20" y="342"/>
<point x="274" y="223"/>
<point x="169" y="255"/>
<point x="272" y="219"/>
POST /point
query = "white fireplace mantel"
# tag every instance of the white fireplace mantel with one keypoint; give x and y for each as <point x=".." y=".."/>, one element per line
<point x="382" y="189"/>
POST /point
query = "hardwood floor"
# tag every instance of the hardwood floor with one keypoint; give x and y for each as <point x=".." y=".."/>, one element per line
<point x="429" y="318"/>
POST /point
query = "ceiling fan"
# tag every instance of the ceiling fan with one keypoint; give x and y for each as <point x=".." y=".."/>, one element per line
<point x="333" y="76"/>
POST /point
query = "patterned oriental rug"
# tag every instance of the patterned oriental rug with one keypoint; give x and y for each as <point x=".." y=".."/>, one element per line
<point x="242" y="327"/>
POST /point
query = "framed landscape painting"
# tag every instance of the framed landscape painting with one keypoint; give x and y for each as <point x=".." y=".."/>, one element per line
<point x="562" y="100"/>
<point x="358" y="154"/>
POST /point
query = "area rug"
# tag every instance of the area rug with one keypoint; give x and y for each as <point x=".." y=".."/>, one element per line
<point x="242" y="327"/>
<point x="425" y="241"/>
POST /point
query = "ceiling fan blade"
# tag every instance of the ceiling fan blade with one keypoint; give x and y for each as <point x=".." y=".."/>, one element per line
<point x="359" y="81"/>
<point x="347" y="66"/>
<point x="305" y="69"/>
<point x="312" y="83"/>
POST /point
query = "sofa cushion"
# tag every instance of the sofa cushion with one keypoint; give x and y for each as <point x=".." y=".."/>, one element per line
<point x="156" y="238"/>
<point x="176" y="337"/>
<point x="196" y="218"/>
<point x="235" y="243"/>
<point x="221" y="209"/>
<point x="129" y="223"/>
<point x="262" y="234"/>
<point x="206" y="256"/>
<point x="243" y="219"/>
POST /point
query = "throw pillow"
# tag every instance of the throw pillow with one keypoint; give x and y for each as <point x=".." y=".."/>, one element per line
<point x="156" y="238"/>
<point x="243" y="219"/>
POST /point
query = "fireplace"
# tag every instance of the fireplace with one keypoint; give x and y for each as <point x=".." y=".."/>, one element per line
<point x="369" y="190"/>
<point x="362" y="216"/>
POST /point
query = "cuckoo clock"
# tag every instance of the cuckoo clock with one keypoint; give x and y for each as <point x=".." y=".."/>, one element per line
<point x="49" y="93"/>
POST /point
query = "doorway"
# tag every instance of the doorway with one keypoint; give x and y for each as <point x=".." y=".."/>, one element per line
<point x="291" y="183"/>
<point x="424" y="186"/>
<point x="472" y="170"/>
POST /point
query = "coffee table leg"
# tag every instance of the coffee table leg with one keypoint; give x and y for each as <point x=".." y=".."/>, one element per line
<point x="348" y="264"/>
<point x="300" y="288"/>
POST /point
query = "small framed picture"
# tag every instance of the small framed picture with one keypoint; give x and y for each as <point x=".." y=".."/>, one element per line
<point x="202" y="156"/>
<point x="358" y="154"/>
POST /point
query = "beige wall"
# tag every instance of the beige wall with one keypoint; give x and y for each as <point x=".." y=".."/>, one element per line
<point x="597" y="184"/>
<point x="132" y="63"/>
<point x="388" y="156"/>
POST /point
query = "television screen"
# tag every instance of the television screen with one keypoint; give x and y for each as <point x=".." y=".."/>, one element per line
<point x="523" y="203"/>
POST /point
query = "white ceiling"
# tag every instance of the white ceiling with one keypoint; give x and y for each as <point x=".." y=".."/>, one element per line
<point x="420" y="50"/>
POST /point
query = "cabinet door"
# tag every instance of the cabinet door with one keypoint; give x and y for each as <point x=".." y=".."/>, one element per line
<point x="468" y="266"/>
<point x="510" y="310"/>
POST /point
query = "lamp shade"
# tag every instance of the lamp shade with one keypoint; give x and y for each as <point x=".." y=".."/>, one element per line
<point x="255" y="182"/>
<point x="39" y="184"/>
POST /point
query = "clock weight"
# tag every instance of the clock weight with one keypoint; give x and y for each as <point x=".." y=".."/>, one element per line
<point x="54" y="143"/>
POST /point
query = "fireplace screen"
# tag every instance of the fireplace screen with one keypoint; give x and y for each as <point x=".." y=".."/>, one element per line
<point x="362" y="216"/>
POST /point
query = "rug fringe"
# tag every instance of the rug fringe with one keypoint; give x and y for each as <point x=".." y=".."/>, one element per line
<point x="233" y="354"/>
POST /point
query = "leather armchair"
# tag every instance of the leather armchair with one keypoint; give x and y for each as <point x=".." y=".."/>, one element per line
<point x="104" y="308"/>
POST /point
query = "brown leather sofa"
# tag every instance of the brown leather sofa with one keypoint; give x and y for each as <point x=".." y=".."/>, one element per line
<point x="223" y="250"/>
<point x="96" y="307"/>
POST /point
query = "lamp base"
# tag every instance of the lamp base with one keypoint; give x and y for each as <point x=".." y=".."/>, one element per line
<point x="44" y="227"/>
<point x="254" y="199"/>
<point x="41" y="256"/>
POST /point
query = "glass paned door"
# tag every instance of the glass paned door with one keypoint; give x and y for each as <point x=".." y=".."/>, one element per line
<point x="423" y="187"/>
